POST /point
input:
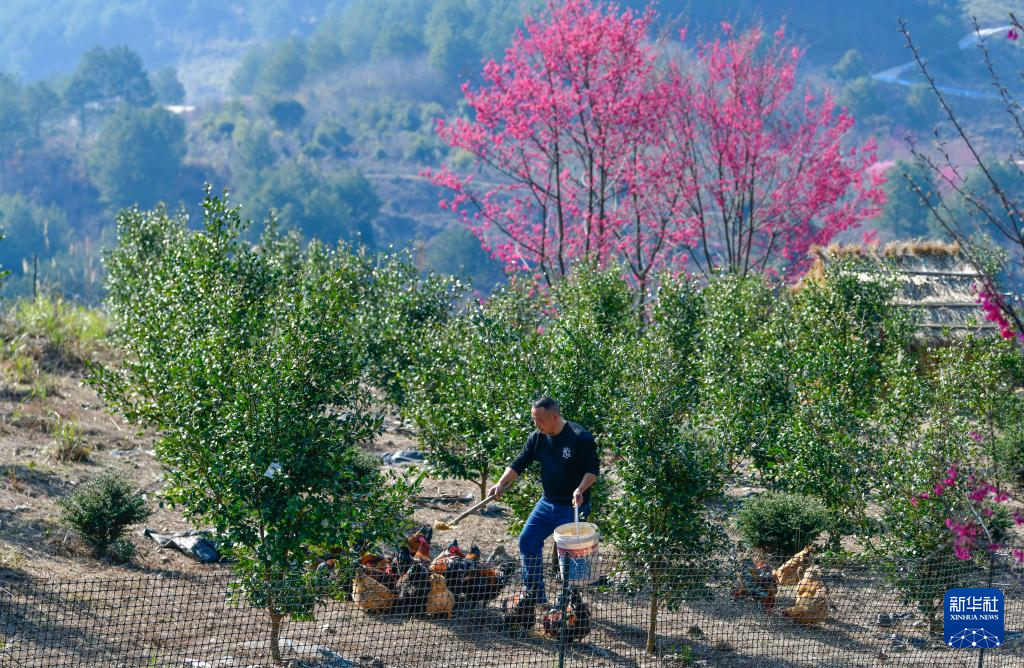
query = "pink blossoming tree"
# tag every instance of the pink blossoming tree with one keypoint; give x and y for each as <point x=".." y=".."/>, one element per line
<point x="590" y="148"/>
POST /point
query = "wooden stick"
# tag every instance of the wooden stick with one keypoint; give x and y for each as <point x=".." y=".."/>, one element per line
<point x="444" y="526"/>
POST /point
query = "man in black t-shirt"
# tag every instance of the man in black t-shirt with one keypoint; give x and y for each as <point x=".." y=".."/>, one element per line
<point x="568" y="468"/>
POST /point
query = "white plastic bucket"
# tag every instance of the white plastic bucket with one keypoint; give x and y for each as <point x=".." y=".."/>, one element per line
<point x="576" y="552"/>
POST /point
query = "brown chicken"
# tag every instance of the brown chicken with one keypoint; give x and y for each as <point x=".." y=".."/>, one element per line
<point x="577" y="617"/>
<point x="440" y="601"/>
<point x="418" y="540"/>
<point x="790" y="572"/>
<point x="756" y="582"/>
<point x="369" y="594"/>
<point x="811" y="606"/>
<point x="486" y="581"/>
<point x="381" y="569"/>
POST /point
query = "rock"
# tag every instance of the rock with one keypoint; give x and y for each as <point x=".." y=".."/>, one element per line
<point x="324" y="657"/>
<point x="887" y="619"/>
<point x="370" y="662"/>
<point x="695" y="631"/>
<point x="328" y="629"/>
<point x="227" y="662"/>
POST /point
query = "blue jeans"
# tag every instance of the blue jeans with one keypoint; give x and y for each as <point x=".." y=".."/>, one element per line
<point x="541" y="523"/>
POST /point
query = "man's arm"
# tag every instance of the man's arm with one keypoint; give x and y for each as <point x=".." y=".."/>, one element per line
<point x="512" y="473"/>
<point x="577" y="496"/>
<point x="593" y="468"/>
<point x="504" y="482"/>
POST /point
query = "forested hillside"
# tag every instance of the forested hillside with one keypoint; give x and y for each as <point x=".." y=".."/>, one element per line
<point x="324" y="111"/>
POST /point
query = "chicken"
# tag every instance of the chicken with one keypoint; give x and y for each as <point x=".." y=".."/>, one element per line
<point x="456" y="569"/>
<point x="422" y="551"/>
<point x="415" y="541"/>
<point x="371" y="595"/>
<point x="517" y="614"/>
<point x="413" y="588"/>
<point x="758" y="583"/>
<point x="486" y="581"/>
<point x="790" y="572"/>
<point x="440" y="601"/>
<point x="577" y="617"/>
<point x="450" y="553"/>
<point x="381" y="569"/>
<point x="811" y="606"/>
<point x="474" y="553"/>
<point x="500" y="556"/>
<point x="403" y="561"/>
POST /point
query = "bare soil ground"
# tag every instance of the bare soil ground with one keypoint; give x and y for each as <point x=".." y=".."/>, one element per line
<point x="33" y="479"/>
<point x="164" y="608"/>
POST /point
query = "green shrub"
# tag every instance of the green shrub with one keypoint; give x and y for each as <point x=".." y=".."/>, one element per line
<point x="781" y="523"/>
<point x="101" y="511"/>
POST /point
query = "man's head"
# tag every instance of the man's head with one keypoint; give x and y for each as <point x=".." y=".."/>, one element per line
<point x="547" y="416"/>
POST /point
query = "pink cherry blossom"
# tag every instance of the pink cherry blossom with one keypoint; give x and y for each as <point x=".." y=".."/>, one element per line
<point x="589" y="149"/>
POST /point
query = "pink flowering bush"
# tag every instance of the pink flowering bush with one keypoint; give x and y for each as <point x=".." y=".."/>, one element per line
<point x="993" y="305"/>
<point x="589" y="149"/>
<point x="943" y="439"/>
<point x="976" y="515"/>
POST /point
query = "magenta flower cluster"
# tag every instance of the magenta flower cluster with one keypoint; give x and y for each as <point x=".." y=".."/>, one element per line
<point x="968" y="534"/>
<point x="992" y="305"/>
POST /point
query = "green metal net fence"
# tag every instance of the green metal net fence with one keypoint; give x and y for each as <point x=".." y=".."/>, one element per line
<point x="665" y="611"/>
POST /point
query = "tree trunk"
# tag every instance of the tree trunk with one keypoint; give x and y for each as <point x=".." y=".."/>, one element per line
<point x="275" y="638"/>
<point x="652" y="624"/>
<point x="483" y="485"/>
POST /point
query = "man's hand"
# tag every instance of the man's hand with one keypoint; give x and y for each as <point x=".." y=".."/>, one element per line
<point x="577" y="498"/>
<point x="496" y="490"/>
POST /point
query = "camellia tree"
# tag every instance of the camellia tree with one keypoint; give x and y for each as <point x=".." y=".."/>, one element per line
<point x="470" y="389"/>
<point x="657" y="513"/>
<point x="587" y="149"/>
<point x="244" y="359"/>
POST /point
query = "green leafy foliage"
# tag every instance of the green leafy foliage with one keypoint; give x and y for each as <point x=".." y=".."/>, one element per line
<point x="842" y="336"/>
<point x="398" y="309"/>
<point x="781" y="524"/>
<point x="959" y="410"/>
<point x="245" y="359"/>
<point x="138" y="156"/>
<point x="167" y="87"/>
<point x="108" y="78"/>
<point x="101" y="511"/>
<point x="470" y="391"/>
<point x="740" y="395"/>
<point x="328" y="205"/>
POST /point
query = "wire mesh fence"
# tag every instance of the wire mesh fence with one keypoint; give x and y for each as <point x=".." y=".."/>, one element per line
<point x="666" y="611"/>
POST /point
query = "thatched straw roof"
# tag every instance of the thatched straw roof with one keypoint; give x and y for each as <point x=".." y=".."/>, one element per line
<point x="937" y="279"/>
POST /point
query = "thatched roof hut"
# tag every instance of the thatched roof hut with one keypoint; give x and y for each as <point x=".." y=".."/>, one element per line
<point x="937" y="281"/>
